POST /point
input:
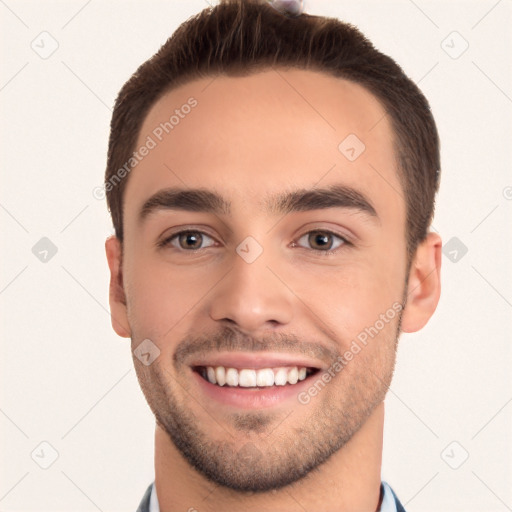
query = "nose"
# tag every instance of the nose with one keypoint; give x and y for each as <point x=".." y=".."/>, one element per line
<point x="253" y="296"/>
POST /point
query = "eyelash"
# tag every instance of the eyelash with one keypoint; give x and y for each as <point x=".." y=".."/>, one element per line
<point x="167" y="241"/>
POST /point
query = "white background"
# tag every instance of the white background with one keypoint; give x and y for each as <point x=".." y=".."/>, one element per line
<point x="68" y="379"/>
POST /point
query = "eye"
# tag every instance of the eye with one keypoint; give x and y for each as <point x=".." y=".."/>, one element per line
<point x="323" y="241"/>
<point x="187" y="240"/>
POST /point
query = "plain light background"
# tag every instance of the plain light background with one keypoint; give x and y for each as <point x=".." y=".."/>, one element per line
<point x="68" y="380"/>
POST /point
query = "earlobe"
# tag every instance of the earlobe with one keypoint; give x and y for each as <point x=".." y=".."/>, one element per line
<point x="117" y="297"/>
<point x="424" y="287"/>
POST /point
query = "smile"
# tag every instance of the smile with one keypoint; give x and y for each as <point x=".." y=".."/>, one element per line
<point x="252" y="381"/>
<point x="254" y="378"/>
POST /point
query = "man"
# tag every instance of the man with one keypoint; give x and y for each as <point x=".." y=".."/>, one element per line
<point x="271" y="178"/>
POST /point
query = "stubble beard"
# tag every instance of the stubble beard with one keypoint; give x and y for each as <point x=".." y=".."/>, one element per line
<point x="261" y="451"/>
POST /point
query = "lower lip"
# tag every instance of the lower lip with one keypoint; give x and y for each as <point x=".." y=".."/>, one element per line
<point x="252" y="398"/>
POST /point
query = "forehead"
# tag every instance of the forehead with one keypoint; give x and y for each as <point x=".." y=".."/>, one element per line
<point x="252" y="137"/>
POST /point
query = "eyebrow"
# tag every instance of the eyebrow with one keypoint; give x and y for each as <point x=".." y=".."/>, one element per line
<point x="208" y="201"/>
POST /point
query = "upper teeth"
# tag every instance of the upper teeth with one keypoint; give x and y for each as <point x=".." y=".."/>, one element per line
<point x="248" y="378"/>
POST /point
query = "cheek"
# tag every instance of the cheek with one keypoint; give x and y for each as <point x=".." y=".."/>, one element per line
<point x="162" y="298"/>
<point x="352" y="297"/>
<point x="368" y="352"/>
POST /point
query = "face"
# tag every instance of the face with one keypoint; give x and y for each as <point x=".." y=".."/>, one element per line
<point x="283" y="273"/>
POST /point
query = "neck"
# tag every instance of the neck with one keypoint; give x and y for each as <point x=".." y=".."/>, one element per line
<point x="349" y="480"/>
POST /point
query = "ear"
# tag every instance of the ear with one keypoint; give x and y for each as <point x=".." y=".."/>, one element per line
<point x="424" y="287"/>
<point x="117" y="298"/>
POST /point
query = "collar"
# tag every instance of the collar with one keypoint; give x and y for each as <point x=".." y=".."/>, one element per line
<point x="388" y="499"/>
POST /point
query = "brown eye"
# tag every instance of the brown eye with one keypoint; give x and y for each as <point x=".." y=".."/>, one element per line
<point x="320" y="240"/>
<point x="323" y="241"/>
<point x="188" y="240"/>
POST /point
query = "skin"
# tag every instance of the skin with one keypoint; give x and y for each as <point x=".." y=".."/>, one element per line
<point x="249" y="137"/>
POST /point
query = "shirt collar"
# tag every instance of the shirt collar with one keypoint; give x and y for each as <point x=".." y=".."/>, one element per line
<point x="388" y="501"/>
<point x="153" y="500"/>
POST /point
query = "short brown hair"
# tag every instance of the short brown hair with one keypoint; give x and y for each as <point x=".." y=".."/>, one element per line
<point x="240" y="37"/>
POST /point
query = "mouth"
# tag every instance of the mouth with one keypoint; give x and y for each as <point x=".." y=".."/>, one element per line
<point x="253" y="381"/>
<point x="256" y="378"/>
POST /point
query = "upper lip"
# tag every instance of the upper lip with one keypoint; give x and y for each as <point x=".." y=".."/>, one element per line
<point x="255" y="360"/>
